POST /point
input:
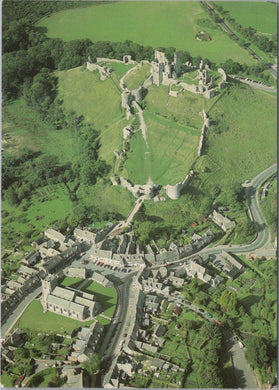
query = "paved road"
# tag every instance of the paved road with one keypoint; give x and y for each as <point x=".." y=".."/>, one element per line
<point x="244" y="375"/>
<point x="7" y="324"/>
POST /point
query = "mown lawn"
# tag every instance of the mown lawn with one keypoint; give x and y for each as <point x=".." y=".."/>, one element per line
<point x="70" y="282"/>
<point x="107" y="296"/>
<point x="261" y="15"/>
<point x="33" y="318"/>
<point x="167" y="24"/>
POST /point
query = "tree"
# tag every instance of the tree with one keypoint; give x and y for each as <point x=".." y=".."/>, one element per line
<point x="257" y="352"/>
<point x="228" y="301"/>
<point x="144" y="231"/>
<point x="92" y="364"/>
<point x="211" y="331"/>
<point x="210" y="377"/>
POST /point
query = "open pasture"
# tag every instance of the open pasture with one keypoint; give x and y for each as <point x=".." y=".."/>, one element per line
<point x="261" y="15"/>
<point x="168" y="24"/>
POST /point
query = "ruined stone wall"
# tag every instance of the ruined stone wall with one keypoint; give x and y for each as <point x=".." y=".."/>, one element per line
<point x="148" y="82"/>
<point x="223" y="74"/>
<point x="100" y="59"/>
<point x="204" y="127"/>
<point x="189" y="87"/>
<point x="157" y="72"/>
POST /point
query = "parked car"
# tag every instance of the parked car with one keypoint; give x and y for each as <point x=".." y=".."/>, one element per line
<point x="208" y="315"/>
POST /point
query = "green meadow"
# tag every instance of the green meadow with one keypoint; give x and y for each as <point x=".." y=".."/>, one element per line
<point x="261" y="15"/>
<point x="167" y="24"/>
<point x="98" y="101"/>
<point x="137" y="76"/>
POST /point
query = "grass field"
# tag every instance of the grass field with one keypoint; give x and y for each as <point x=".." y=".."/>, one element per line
<point x="137" y="76"/>
<point x="184" y="108"/>
<point x="39" y="215"/>
<point x="26" y="129"/>
<point x="260" y="15"/>
<point x="149" y="23"/>
<point x="33" y="318"/>
<point x="71" y="282"/>
<point x="46" y="375"/>
<point x="7" y="380"/>
<point x="98" y="101"/>
<point x="107" y="296"/>
<point x="247" y="138"/>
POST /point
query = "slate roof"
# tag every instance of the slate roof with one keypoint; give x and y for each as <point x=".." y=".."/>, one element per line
<point x="63" y="293"/>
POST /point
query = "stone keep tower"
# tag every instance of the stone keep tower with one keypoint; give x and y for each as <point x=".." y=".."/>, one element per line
<point x="177" y="62"/>
<point x="48" y="284"/>
<point x="157" y="72"/>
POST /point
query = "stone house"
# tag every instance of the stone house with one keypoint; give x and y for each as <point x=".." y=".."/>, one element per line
<point x="31" y="258"/>
<point x="55" y="235"/>
<point x="224" y="222"/>
<point x="101" y="279"/>
<point x="85" y="235"/>
<point x="195" y="270"/>
<point x="224" y="262"/>
<point x="175" y="281"/>
<point x="159" y="330"/>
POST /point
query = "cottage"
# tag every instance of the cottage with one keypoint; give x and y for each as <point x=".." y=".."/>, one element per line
<point x="229" y="265"/>
<point x="224" y="222"/>
<point x="75" y="272"/>
<point x="101" y="279"/>
<point x="195" y="270"/>
<point x="149" y="347"/>
<point x="177" y="282"/>
<point x="31" y="258"/>
<point x="85" y="235"/>
<point x="55" y="235"/>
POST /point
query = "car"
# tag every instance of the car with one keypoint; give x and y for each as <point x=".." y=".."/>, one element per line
<point x="201" y="310"/>
<point x="124" y="334"/>
<point x="219" y="322"/>
<point x="208" y="315"/>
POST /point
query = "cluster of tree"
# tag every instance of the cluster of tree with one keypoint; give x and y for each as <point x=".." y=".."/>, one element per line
<point x="88" y="167"/>
<point x="35" y="10"/>
<point x="91" y="366"/>
<point x="22" y="175"/>
<point x="260" y="352"/>
<point x="228" y="301"/>
<point x="235" y="68"/>
<point x="211" y="364"/>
